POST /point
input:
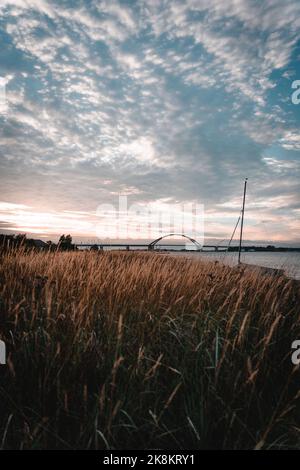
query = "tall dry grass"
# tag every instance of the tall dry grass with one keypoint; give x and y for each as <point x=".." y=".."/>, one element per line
<point x="140" y="350"/>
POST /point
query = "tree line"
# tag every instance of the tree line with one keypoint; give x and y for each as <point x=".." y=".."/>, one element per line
<point x="65" y="243"/>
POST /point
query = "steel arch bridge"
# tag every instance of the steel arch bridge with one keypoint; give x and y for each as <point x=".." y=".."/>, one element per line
<point x="151" y="245"/>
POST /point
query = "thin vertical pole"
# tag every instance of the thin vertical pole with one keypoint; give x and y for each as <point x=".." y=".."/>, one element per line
<point x="242" y="222"/>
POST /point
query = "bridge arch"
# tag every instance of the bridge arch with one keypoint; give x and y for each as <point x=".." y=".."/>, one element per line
<point x="151" y="245"/>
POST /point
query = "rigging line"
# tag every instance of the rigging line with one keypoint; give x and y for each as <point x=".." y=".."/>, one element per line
<point x="236" y="225"/>
<point x="233" y="233"/>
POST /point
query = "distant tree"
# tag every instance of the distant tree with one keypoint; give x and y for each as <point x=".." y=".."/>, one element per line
<point x="7" y="241"/>
<point x="20" y="239"/>
<point x="51" y="246"/>
<point x="30" y="243"/>
<point x="68" y="239"/>
<point x="65" y="243"/>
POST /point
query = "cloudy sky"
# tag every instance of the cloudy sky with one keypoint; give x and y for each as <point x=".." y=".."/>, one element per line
<point x="165" y="101"/>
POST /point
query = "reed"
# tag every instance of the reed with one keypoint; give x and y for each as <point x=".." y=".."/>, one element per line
<point x="121" y="350"/>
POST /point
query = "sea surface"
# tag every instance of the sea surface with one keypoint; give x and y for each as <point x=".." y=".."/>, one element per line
<point x="289" y="262"/>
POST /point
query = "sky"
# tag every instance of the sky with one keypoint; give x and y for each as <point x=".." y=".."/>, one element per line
<point x="166" y="102"/>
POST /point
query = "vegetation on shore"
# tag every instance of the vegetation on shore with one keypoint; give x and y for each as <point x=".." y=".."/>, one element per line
<point x="144" y="350"/>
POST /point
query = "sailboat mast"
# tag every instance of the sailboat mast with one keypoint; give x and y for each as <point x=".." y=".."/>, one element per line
<point x="242" y="221"/>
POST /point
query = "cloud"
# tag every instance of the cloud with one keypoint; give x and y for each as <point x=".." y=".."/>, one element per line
<point x="290" y="141"/>
<point x="176" y="100"/>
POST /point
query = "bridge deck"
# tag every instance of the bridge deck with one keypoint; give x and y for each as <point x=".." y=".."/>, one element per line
<point x="146" y="245"/>
<point x="204" y="248"/>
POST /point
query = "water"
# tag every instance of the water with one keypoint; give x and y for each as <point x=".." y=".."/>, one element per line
<point x="289" y="262"/>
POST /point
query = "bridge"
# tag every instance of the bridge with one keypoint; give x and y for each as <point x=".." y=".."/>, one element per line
<point x="152" y="245"/>
<point x="155" y="243"/>
<point x="168" y="247"/>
